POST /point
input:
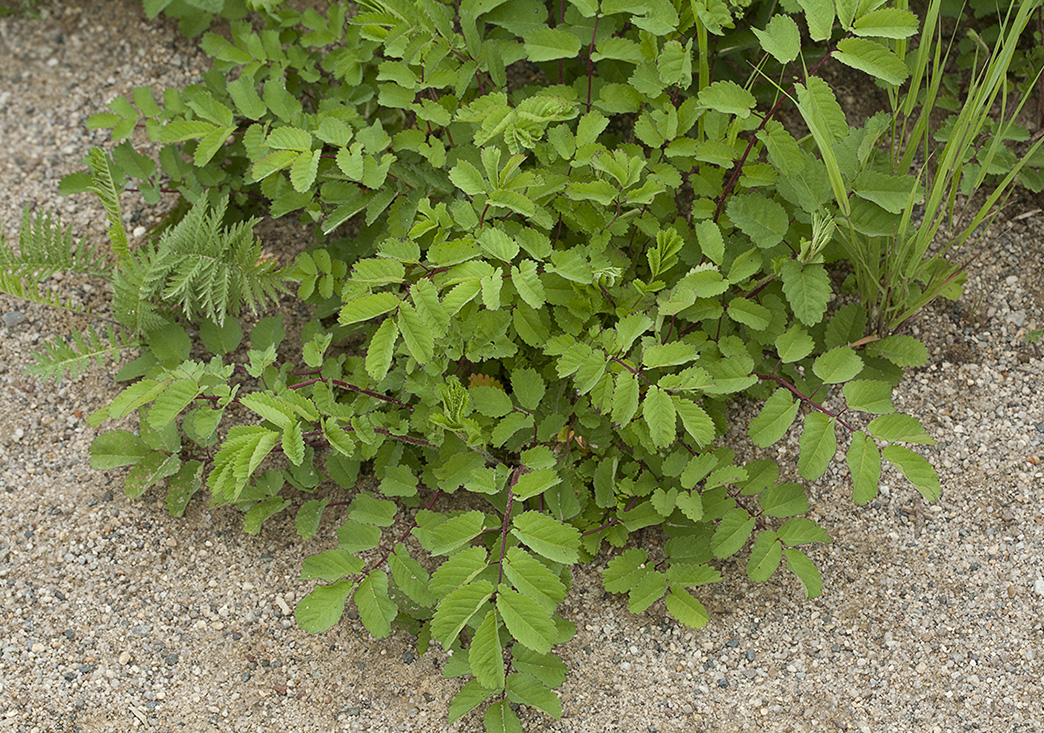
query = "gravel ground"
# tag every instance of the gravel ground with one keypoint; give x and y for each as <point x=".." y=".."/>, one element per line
<point x="116" y="617"/>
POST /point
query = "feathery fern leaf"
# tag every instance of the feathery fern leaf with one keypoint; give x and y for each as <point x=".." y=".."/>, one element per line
<point x="59" y="358"/>
<point x="44" y="247"/>
<point x="201" y="266"/>
<point x="132" y="303"/>
<point x="102" y="184"/>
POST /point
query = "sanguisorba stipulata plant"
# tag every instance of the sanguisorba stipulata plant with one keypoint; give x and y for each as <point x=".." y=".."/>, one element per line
<point x="554" y="241"/>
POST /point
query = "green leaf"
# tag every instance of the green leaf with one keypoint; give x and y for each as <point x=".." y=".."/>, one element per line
<point x="452" y="534"/>
<point x="727" y="97"/>
<point x="150" y="469"/>
<point x="548" y="44"/>
<point x="781" y="38"/>
<point x="838" y="365"/>
<point x="117" y="448"/>
<point x="732" y="533"/>
<point x="807" y="288"/>
<point x="886" y="23"/>
<point x="527" y="690"/>
<point x="762" y="219"/>
<point x="686" y="609"/>
<point x="696" y="421"/>
<point x="899" y="428"/>
<point x="468" y="698"/>
<point x="799" y="564"/>
<point x="468" y="179"/>
<point x="178" y="395"/>
<point x="376" y="609"/>
<point x="182" y="486"/>
<point x="870" y="396"/>
<point x="293" y="443"/>
<point x="303" y="170"/>
<point x="308" y="517"/>
<point x="418" y="337"/>
<point x="892" y="193"/>
<point x="624" y="571"/>
<point x="330" y="565"/>
<point x="711" y="242"/>
<point x="367" y="307"/>
<point x="490" y="401"/>
<point x="262" y="511"/>
<point x="783" y="500"/>
<point x="358" y="537"/>
<point x="674" y="64"/>
<point x="864" y="461"/>
<point x="545" y="667"/>
<point x="818" y="444"/>
<point x="268" y="332"/>
<point x="775" y="418"/>
<point x="221" y="339"/>
<point x="794" y="344"/>
<point x="381" y="349"/>
<point x="526" y="619"/>
<point x="765" y="554"/>
<point x="411" y="577"/>
<point x="457" y="608"/>
<point x="625" y="398"/>
<point x="528" y="387"/>
<point x="750" y="314"/>
<point x="658" y="412"/>
<point x="533" y="578"/>
<point x="485" y="654"/>
<point x="368" y="509"/>
<point x="527" y="282"/>
<point x="536" y="482"/>
<point x="872" y="58"/>
<point x="322" y="608"/>
<point x="650" y="588"/>
<point x="500" y="718"/>
<point x="917" y="470"/>
<point x="548" y="537"/>
<point x="819" y="14"/>
<point x="801" y="531"/>
<point x="901" y="350"/>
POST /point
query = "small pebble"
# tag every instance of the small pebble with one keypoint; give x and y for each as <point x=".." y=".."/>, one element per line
<point x="124" y="658"/>
<point x="12" y="319"/>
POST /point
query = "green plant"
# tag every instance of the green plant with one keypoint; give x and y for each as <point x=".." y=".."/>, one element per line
<point x="199" y="270"/>
<point x="552" y="252"/>
<point x="896" y="270"/>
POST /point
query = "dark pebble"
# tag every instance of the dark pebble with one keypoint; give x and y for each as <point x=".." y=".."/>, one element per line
<point x="171" y="660"/>
<point x="408" y="657"/>
<point x="70" y="676"/>
<point x="59" y="595"/>
<point x="107" y="496"/>
<point x="733" y="642"/>
<point x="750" y="655"/>
<point x="245" y="677"/>
<point x="1040" y="427"/>
<point x="236" y="635"/>
<point x="69" y="633"/>
<point x="723" y="682"/>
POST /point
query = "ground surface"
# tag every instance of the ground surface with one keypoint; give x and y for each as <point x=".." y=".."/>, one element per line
<point x="116" y="617"/>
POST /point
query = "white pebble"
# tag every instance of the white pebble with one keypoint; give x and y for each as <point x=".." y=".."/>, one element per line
<point x="1038" y="587"/>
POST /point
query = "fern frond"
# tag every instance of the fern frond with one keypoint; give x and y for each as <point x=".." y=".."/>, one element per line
<point x="45" y="247"/>
<point x="132" y="302"/>
<point x="103" y="185"/>
<point x="200" y="266"/>
<point x="15" y="284"/>
<point x="59" y="358"/>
